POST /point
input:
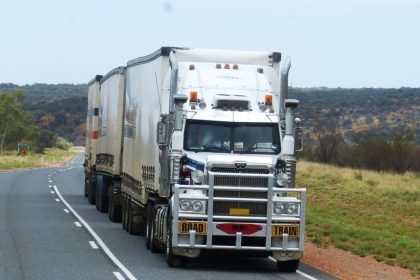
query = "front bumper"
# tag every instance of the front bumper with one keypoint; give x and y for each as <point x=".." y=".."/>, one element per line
<point x="264" y="241"/>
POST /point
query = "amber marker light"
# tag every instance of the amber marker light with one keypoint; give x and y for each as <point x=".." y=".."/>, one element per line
<point x="268" y="100"/>
<point x="193" y="96"/>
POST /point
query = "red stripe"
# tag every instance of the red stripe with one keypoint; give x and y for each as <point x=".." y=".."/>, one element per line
<point x="92" y="134"/>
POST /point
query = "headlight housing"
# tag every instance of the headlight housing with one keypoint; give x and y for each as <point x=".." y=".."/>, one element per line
<point x="282" y="179"/>
<point x="197" y="176"/>
<point x="192" y="206"/>
<point x="286" y="208"/>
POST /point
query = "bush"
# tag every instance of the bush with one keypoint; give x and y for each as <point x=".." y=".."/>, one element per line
<point x="63" y="144"/>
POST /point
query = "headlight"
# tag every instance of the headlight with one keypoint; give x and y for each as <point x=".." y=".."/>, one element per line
<point x="278" y="208"/>
<point x="197" y="206"/>
<point x="292" y="209"/>
<point x="282" y="179"/>
<point x="197" y="176"/>
<point x="185" y="205"/>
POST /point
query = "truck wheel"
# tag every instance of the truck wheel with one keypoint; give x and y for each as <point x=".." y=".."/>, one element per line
<point x="154" y="246"/>
<point x="86" y="186"/>
<point x="171" y="259"/>
<point x="288" y="266"/>
<point x="114" y="212"/>
<point x="130" y="222"/>
<point x="124" y="213"/>
<point x="101" y="194"/>
<point x="148" y="224"/>
<point x="91" y="192"/>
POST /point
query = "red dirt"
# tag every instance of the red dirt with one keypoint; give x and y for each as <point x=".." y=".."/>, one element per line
<point x="345" y="265"/>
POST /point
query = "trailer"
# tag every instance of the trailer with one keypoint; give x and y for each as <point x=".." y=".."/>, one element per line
<point x="91" y="138"/>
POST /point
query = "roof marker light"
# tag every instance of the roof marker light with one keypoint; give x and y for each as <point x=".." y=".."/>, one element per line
<point x="192" y="67"/>
<point x="218" y="66"/>
<point x="227" y="66"/>
<point x="193" y="96"/>
<point x="235" y="67"/>
<point x="268" y="100"/>
<point x="260" y="70"/>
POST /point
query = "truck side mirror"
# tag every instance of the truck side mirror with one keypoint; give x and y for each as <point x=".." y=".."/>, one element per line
<point x="298" y="135"/>
<point x="161" y="134"/>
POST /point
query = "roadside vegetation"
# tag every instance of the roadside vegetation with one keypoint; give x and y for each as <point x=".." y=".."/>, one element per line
<point x="364" y="212"/>
<point x="52" y="157"/>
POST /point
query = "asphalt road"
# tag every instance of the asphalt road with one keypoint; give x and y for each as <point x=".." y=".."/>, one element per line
<point x="49" y="231"/>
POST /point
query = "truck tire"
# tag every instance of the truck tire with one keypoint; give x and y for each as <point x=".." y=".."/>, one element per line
<point x="154" y="244"/>
<point x="86" y="186"/>
<point x="171" y="259"/>
<point x="149" y="224"/>
<point x="130" y="222"/>
<point x="124" y="213"/>
<point x="91" y="192"/>
<point x="288" y="266"/>
<point x="114" y="212"/>
<point x="102" y="194"/>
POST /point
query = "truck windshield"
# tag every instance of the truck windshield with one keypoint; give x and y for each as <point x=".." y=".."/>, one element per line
<point x="224" y="137"/>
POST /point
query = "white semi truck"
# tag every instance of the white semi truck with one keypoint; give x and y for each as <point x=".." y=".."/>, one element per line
<point x="208" y="155"/>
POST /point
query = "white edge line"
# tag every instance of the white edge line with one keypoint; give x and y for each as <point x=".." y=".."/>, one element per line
<point x="298" y="271"/>
<point x="118" y="275"/>
<point x="97" y="238"/>
<point x="306" y="275"/>
<point x="93" y="245"/>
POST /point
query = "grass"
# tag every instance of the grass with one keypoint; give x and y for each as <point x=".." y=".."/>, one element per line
<point x="364" y="212"/>
<point x="50" y="157"/>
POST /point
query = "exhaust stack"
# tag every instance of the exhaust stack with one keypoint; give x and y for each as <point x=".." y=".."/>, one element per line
<point x="174" y="81"/>
<point x="284" y="86"/>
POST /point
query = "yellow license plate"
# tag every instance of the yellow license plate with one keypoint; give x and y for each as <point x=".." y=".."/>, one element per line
<point x="291" y="230"/>
<point x="238" y="212"/>
<point x="199" y="227"/>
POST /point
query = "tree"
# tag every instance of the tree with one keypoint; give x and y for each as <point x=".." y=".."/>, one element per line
<point x="15" y="123"/>
<point x="328" y="141"/>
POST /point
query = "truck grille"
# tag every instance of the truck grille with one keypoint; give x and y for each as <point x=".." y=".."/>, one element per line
<point x="223" y="207"/>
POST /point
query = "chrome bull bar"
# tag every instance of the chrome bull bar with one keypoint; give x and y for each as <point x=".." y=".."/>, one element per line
<point x="282" y="243"/>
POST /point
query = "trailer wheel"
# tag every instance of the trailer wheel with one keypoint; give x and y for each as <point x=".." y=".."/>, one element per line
<point x="171" y="259"/>
<point x="124" y="213"/>
<point x="130" y="217"/>
<point x="91" y="191"/>
<point x="288" y="266"/>
<point x="114" y="212"/>
<point x="148" y="224"/>
<point x="86" y="186"/>
<point x="101" y="194"/>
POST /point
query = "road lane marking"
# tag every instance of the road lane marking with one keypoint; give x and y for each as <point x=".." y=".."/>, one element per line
<point x="66" y="210"/>
<point x="118" y="275"/>
<point x="93" y="245"/>
<point x="101" y="244"/>
<point x="50" y="186"/>
<point x="298" y="271"/>
<point x="306" y="275"/>
<point x="77" y="224"/>
<point x="57" y="200"/>
<point x="52" y="192"/>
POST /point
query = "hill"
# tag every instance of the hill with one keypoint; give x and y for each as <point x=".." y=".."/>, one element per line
<point x="360" y="113"/>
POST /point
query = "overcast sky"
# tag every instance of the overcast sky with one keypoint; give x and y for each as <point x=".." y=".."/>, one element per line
<point x="336" y="43"/>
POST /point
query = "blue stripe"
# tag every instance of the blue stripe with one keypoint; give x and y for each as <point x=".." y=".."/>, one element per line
<point x="195" y="164"/>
